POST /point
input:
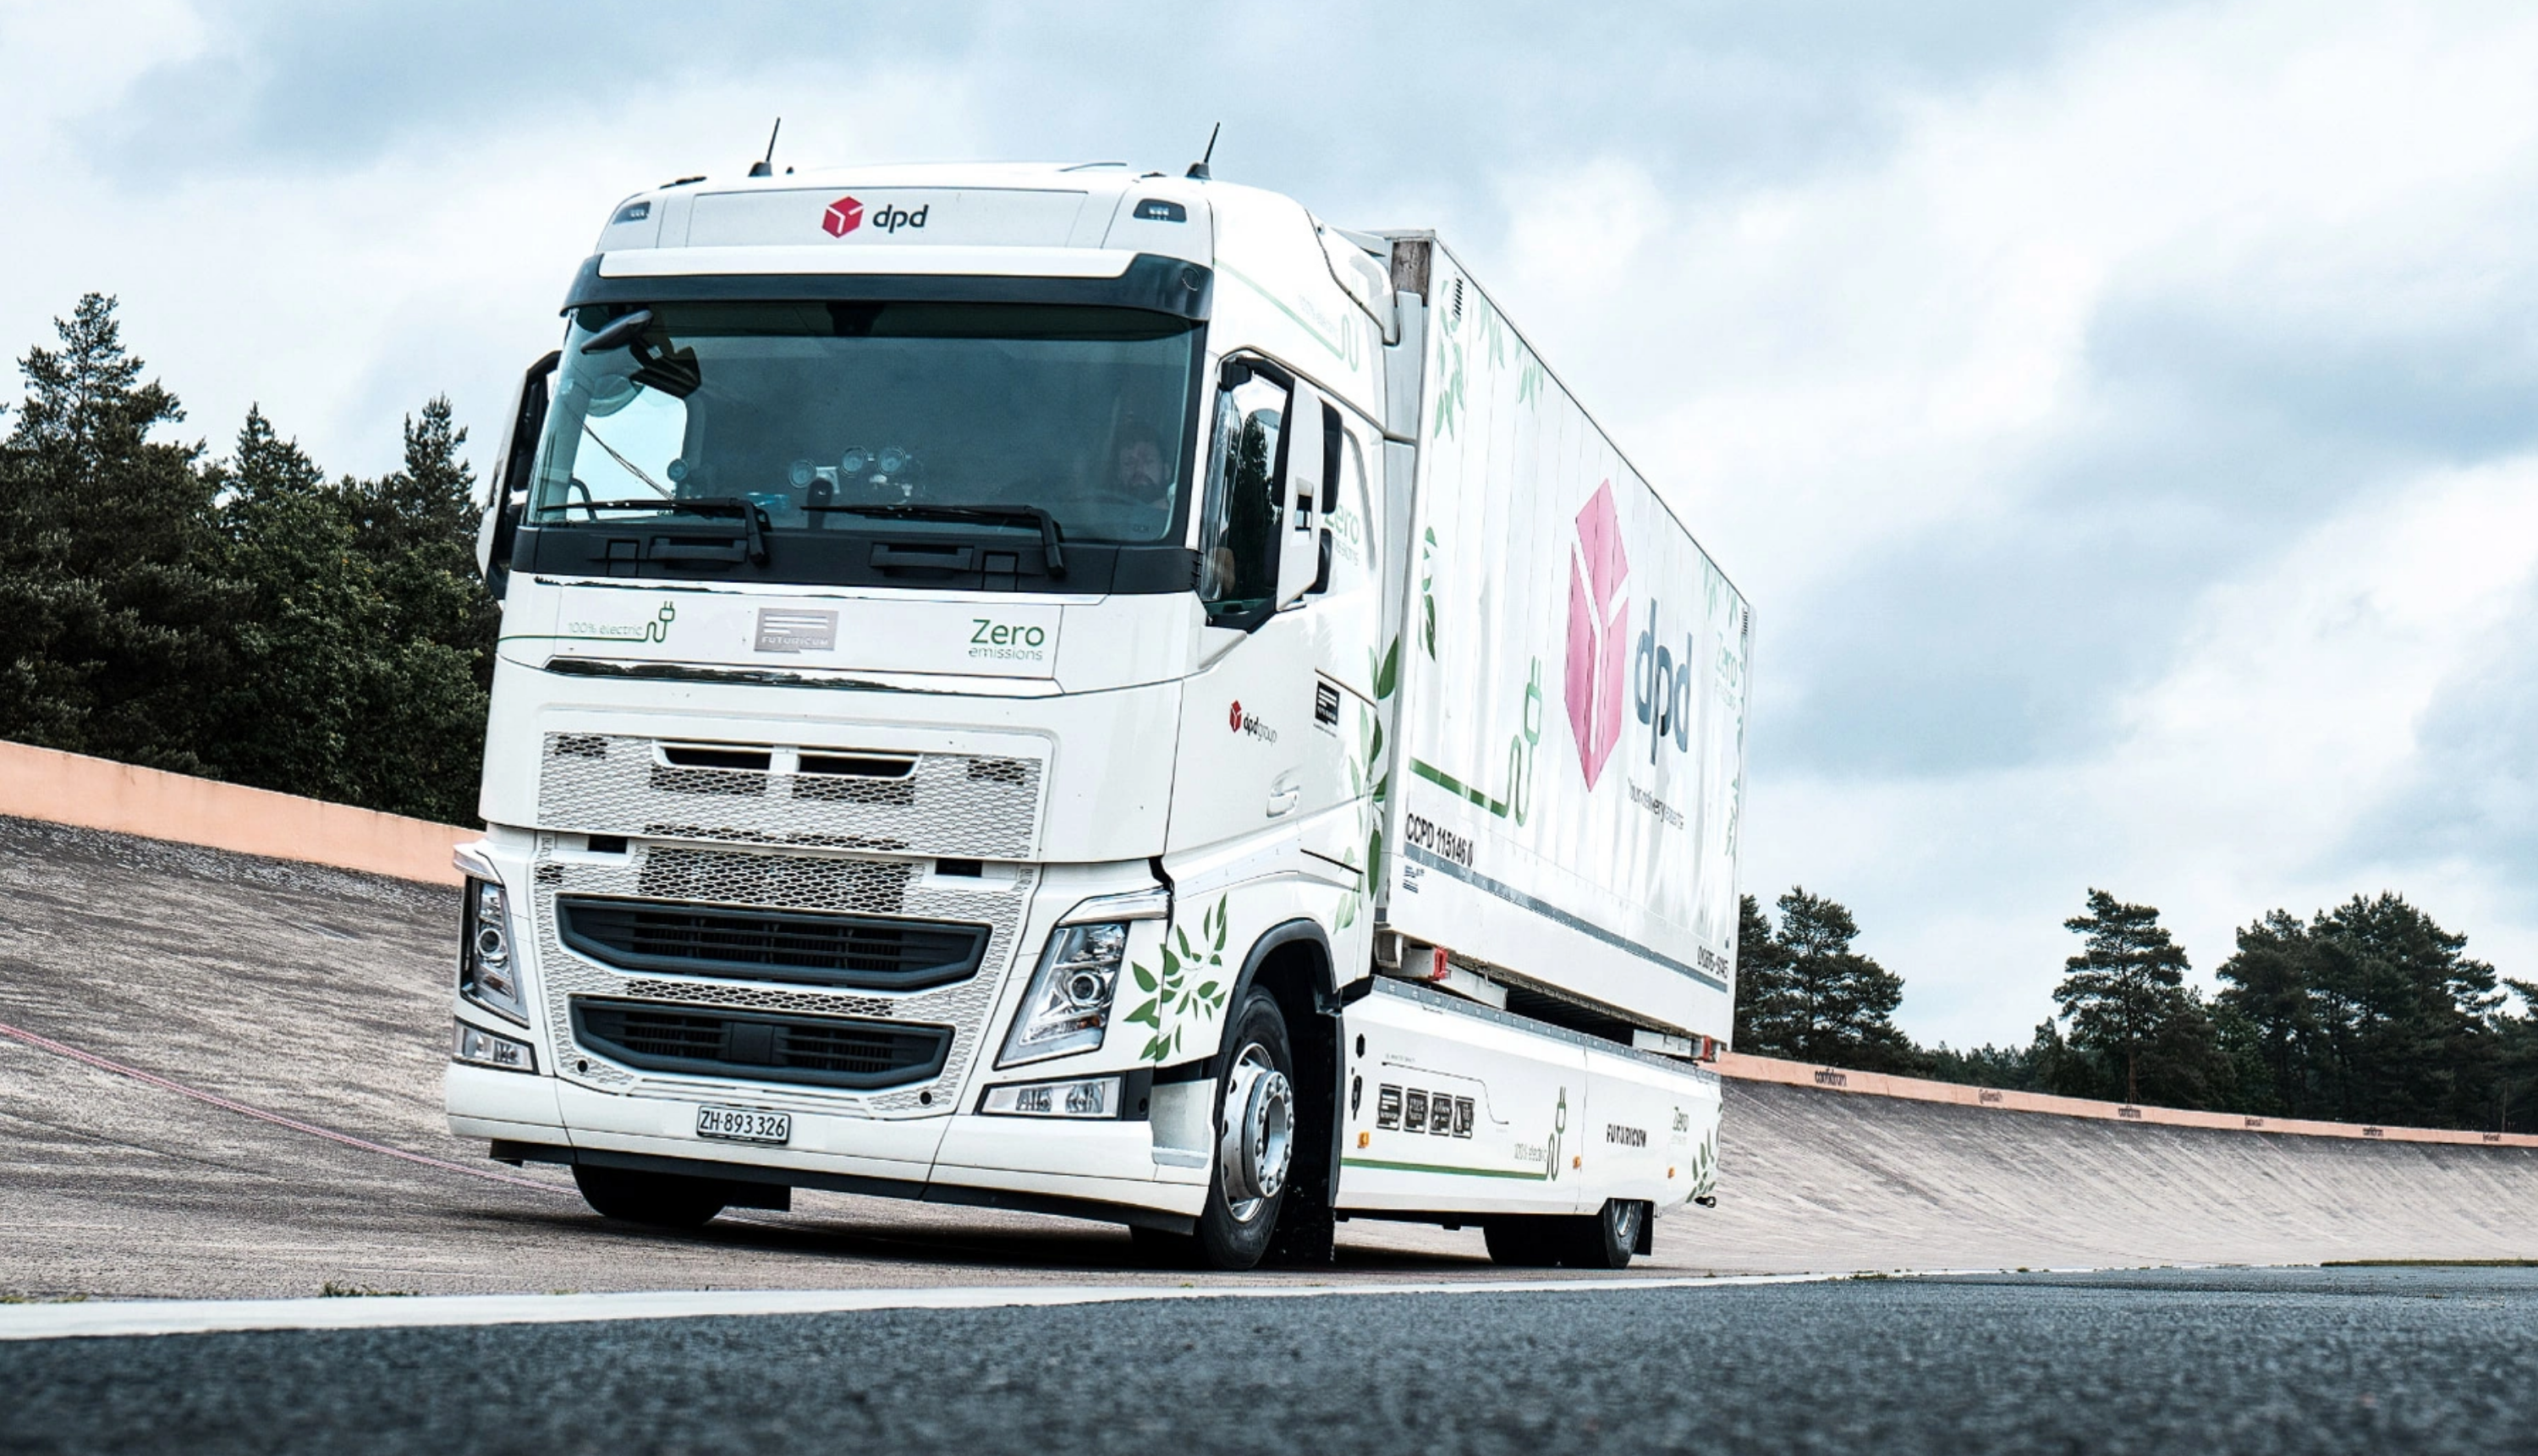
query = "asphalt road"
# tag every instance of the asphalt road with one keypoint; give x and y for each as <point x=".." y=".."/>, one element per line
<point x="2377" y="1361"/>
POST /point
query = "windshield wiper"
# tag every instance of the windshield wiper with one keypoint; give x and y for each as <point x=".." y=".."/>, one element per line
<point x="1051" y="540"/>
<point x="629" y="466"/>
<point x="753" y="516"/>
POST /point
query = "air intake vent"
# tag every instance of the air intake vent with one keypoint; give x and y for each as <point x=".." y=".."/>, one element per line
<point x="698" y="756"/>
<point x="823" y="1051"/>
<point x="859" y="765"/>
<point x="863" y="951"/>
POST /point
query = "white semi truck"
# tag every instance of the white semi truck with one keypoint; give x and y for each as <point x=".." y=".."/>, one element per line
<point x="1059" y="689"/>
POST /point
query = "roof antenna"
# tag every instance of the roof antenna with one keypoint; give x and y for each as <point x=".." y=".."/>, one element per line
<point x="1198" y="168"/>
<point x="766" y="166"/>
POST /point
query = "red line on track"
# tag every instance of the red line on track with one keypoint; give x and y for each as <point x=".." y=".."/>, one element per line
<point x="226" y="1104"/>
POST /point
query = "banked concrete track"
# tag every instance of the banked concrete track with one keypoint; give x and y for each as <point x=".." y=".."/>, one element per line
<point x="232" y="1088"/>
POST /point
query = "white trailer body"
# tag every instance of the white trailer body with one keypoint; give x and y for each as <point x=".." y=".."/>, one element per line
<point x="1061" y="689"/>
<point x="1573" y="696"/>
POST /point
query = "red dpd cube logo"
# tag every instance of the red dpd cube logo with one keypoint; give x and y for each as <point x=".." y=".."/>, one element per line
<point x="844" y="216"/>
<point x="1597" y="618"/>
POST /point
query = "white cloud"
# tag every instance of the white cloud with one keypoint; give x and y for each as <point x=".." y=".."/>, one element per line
<point x="341" y="299"/>
<point x="1838" y="373"/>
<point x="2139" y="406"/>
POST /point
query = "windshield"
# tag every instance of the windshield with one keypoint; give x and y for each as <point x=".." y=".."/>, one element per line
<point x="839" y="416"/>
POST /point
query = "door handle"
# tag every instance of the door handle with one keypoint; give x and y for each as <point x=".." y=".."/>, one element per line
<point x="1285" y="794"/>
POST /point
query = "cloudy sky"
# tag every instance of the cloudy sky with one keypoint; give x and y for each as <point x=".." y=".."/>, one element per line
<point x="2121" y="415"/>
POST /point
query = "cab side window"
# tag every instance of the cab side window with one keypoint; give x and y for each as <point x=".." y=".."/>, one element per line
<point x="1240" y="515"/>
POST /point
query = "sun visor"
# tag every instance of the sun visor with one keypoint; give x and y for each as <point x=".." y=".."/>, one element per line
<point x="1098" y="276"/>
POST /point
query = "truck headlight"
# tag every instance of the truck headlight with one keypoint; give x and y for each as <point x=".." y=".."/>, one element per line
<point x="1067" y="1006"/>
<point x="489" y="970"/>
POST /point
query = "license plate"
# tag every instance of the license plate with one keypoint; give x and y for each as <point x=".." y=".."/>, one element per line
<point x="744" y="1125"/>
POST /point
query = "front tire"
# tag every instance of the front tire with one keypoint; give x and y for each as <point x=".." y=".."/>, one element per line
<point x="657" y="1200"/>
<point x="1255" y="1122"/>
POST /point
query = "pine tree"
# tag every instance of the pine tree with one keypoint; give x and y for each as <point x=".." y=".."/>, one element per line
<point x="2408" y="1016"/>
<point x="112" y="612"/>
<point x="246" y="619"/>
<point x="1811" y="996"/>
<point x="424" y="716"/>
<point x="317" y="621"/>
<point x="1765" y="1009"/>
<point x="2267" y="985"/>
<point x="2122" y="992"/>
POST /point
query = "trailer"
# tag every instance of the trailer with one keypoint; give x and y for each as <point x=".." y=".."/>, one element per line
<point x="1056" y="689"/>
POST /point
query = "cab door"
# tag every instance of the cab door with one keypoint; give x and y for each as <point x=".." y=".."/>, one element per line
<point x="1342" y="610"/>
<point x="1254" y="759"/>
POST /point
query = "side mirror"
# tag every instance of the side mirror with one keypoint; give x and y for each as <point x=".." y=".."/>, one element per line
<point x="506" y="495"/>
<point x="1299" y="495"/>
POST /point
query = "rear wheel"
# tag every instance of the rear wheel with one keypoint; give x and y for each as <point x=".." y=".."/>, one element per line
<point x="660" y="1199"/>
<point x="1604" y="1239"/>
<point x="1255" y="1121"/>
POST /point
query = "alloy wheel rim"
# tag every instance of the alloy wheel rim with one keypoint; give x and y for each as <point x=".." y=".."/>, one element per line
<point x="1258" y="1136"/>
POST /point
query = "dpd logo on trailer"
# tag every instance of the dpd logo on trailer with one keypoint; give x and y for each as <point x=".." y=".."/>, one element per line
<point x="847" y="214"/>
<point x="1598" y="615"/>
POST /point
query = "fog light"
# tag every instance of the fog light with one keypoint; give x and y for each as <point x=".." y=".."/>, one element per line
<point x="478" y="1047"/>
<point x="1082" y="1097"/>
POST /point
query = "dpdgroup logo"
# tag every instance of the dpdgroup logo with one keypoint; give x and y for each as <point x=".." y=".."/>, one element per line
<point x="847" y="214"/>
<point x="1598" y="615"/>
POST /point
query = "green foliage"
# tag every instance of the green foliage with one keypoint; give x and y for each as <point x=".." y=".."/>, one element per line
<point x="1189" y="986"/>
<point x="2125" y="997"/>
<point x="114" y="603"/>
<point x="1803" y="993"/>
<point x="2372" y="1013"/>
<point x="242" y="617"/>
<point x="1428" y="591"/>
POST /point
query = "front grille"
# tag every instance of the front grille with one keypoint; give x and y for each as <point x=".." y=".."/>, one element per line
<point x="826" y="1051"/>
<point x="808" y="948"/>
<point x="954" y="805"/>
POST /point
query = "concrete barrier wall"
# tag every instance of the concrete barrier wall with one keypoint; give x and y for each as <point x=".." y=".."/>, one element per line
<point x="101" y="794"/>
<point x="1881" y="1084"/>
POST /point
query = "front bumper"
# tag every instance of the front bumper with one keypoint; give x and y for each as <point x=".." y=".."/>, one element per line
<point x="963" y="1158"/>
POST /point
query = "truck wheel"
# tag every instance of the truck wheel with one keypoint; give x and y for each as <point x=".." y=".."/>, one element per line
<point x="1604" y="1239"/>
<point x="1255" y="1100"/>
<point x="661" y="1200"/>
